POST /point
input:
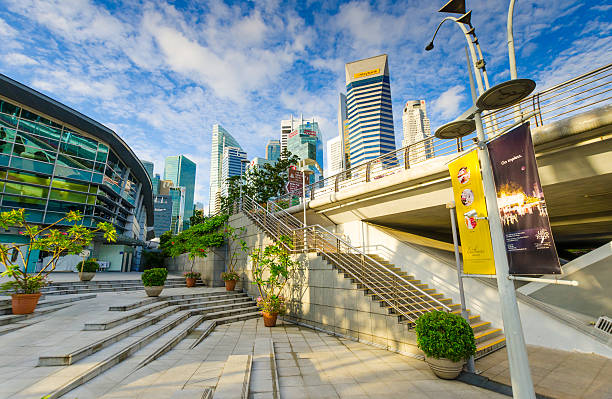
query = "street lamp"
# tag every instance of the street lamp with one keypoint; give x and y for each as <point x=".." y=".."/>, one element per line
<point x="303" y="166"/>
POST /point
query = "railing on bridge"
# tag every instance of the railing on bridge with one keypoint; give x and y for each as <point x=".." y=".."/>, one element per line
<point x="407" y="299"/>
<point x="563" y="100"/>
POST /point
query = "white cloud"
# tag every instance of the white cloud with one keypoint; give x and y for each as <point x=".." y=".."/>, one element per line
<point x="17" y="59"/>
<point x="6" y="31"/>
<point x="447" y="105"/>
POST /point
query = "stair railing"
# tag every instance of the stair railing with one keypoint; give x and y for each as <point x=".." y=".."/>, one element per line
<point x="405" y="297"/>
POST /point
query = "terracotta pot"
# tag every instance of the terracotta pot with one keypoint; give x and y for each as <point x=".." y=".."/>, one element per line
<point x="86" y="276"/>
<point x="24" y="303"/>
<point x="154" y="290"/>
<point x="230" y="285"/>
<point x="191" y="282"/>
<point x="269" y="319"/>
<point x="445" y="368"/>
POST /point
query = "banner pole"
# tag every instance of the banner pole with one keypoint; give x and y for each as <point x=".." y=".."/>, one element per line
<point x="451" y="207"/>
<point x="520" y="373"/>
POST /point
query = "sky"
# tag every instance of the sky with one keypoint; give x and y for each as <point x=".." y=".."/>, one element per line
<point x="160" y="74"/>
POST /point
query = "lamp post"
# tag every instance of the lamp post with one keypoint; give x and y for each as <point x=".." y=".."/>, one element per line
<point x="303" y="166"/>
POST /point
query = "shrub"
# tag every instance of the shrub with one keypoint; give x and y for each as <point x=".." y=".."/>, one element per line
<point x="192" y="274"/>
<point x="445" y="335"/>
<point x="272" y="304"/>
<point x="154" y="277"/>
<point x="228" y="276"/>
<point x="90" y="266"/>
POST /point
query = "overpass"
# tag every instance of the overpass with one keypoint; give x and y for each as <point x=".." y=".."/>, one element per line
<point x="407" y="189"/>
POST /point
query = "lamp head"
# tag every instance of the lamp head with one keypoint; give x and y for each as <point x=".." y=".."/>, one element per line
<point x="456" y="129"/>
<point x="454" y="6"/>
<point x="429" y="47"/>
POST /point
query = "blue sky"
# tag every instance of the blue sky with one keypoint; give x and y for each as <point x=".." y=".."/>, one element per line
<point x="162" y="73"/>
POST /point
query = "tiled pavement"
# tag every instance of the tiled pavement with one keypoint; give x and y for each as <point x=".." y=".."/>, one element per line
<point x="556" y="374"/>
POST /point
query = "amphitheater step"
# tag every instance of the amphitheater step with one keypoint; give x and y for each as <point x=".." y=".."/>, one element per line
<point x="6" y="309"/>
<point x="234" y="380"/>
<point x="14" y="318"/>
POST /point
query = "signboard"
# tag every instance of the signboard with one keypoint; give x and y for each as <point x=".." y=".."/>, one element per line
<point x="469" y="199"/>
<point x="294" y="185"/>
<point x="366" y="73"/>
<point x="304" y="131"/>
<point x="529" y="242"/>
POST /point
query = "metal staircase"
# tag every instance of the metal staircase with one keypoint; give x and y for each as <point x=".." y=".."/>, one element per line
<point x="402" y="294"/>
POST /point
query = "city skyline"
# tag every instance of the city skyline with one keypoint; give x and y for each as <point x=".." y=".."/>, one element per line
<point x="148" y="84"/>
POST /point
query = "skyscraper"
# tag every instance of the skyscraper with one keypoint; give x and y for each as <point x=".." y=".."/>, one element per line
<point x="305" y="142"/>
<point x="220" y="139"/>
<point x="369" y="111"/>
<point x="343" y="131"/>
<point x="273" y="150"/>
<point x="335" y="154"/>
<point x="163" y="213"/>
<point x="148" y="165"/>
<point x="234" y="164"/>
<point x="416" y="129"/>
<point x="182" y="172"/>
<point x="289" y="125"/>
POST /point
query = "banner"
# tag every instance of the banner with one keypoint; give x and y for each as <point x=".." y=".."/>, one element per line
<point x="469" y="199"/>
<point x="522" y="209"/>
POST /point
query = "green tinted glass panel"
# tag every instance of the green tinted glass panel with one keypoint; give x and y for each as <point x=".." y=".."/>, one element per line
<point x="8" y="121"/>
<point x="31" y="116"/>
<point x="64" y="207"/>
<point x="34" y="216"/>
<point x="102" y="153"/>
<point x="23" y="189"/>
<point x="31" y="165"/>
<point x="63" y="171"/>
<point x="99" y="167"/>
<point x="8" y="108"/>
<point x="97" y="178"/>
<point x="28" y="178"/>
<point x="77" y="145"/>
<point x="69" y="185"/>
<point x="68" y="196"/>
<point x="23" y="202"/>
<point x="44" y="142"/>
<point x="4" y="160"/>
<point x="7" y="134"/>
<point x="34" y="153"/>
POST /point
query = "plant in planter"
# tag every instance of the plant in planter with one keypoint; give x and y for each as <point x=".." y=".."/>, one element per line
<point x="235" y="246"/>
<point x="191" y="278"/>
<point x="272" y="269"/>
<point x="87" y="269"/>
<point x="447" y="341"/>
<point x="154" y="280"/>
<point x="55" y="240"/>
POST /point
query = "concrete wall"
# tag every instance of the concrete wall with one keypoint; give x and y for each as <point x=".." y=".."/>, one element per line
<point x="541" y="328"/>
<point x="210" y="267"/>
<point x="321" y="297"/>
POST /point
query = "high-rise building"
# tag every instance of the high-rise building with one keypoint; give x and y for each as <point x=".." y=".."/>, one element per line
<point x="163" y="214"/>
<point x="177" y="194"/>
<point x="273" y="150"/>
<point x="416" y="129"/>
<point x="305" y="142"/>
<point x="199" y="206"/>
<point x="343" y="131"/>
<point x="288" y="126"/>
<point x="182" y="171"/>
<point x="258" y="162"/>
<point x="369" y="109"/>
<point x="335" y="154"/>
<point x="155" y="181"/>
<point x="148" y="165"/>
<point x="234" y="164"/>
<point x="220" y="139"/>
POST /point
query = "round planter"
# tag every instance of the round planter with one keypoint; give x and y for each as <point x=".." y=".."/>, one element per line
<point x="269" y="319"/>
<point x="24" y="303"/>
<point x="86" y="276"/>
<point x="445" y="368"/>
<point x="191" y="282"/>
<point x="154" y="290"/>
<point x="230" y="285"/>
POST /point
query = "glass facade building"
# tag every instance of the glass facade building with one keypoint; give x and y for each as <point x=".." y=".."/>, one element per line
<point x="306" y="142"/>
<point x="221" y="138"/>
<point x="163" y="214"/>
<point x="182" y="172"/>
<point x="273" y="150"/>
<point x="54" y="160"/>
<point x="234" y="164"/>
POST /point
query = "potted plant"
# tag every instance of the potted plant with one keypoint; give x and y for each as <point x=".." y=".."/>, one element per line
<point x="235" y="246"/>
<point x="57" y="241"/>
<point x="272" y="269"/>
<point x="191" y="277"/>
<point x="154" y="280"/>
<point x="87" y="269"/>
<point x="447" y="341"/>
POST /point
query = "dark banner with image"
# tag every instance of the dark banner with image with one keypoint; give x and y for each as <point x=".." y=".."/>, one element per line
<point x="529" y="241"/>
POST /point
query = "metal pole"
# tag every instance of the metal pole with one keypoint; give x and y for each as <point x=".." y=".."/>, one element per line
<point x="451" y="207"/>
<point x="520" y="374"/>
<point x="304" y="204"/>
<point x="512" y="56"/>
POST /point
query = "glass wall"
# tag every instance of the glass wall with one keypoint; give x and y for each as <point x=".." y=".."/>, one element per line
<point x="50" y="169"/>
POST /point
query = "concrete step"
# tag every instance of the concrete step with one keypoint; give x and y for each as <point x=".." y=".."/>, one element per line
<point x="228" y="296"/>
<point x="115" y="289"/>
<point x="480" y="326"/>
<point x="6" y="309"/>
<point x="218" y="304"/>
<point x="486" y="335"/>
<point x="14" y="318"/>
<point x="125" y="308"/>
<point x="489" y="346"/>
<point x="235" y="378"/>
<point x="264" y="372"/>
<point x="108" y="324"/>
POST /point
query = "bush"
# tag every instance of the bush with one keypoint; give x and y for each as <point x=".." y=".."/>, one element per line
<point x="272" y="304"/>
<point x="154" y="277"/>
<point x="229" y="276"/>
<point x="445" y="335"/>
<point x="91" y="266"/>
<point x="192" y="274"/>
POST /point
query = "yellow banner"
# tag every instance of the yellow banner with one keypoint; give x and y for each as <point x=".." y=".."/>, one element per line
<point x="366" y="73"/>
<point x="469" y="199"/>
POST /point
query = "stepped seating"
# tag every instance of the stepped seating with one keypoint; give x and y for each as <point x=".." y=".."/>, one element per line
<point x="149" y="327"/>
<point x="401" y="294"/>
<point x="85" y="287"/>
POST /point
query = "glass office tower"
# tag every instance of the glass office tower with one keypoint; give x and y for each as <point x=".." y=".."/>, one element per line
<point x="54" y="159"/>
<point x="306" y="142"/>
<point x="182" y="172"/>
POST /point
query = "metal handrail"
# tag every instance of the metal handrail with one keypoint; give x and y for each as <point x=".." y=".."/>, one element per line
<point x="319" y="239"/>
<point x="572" y="96"/>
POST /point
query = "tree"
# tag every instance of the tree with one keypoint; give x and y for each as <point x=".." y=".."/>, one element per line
<point x="197" y="218"/>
